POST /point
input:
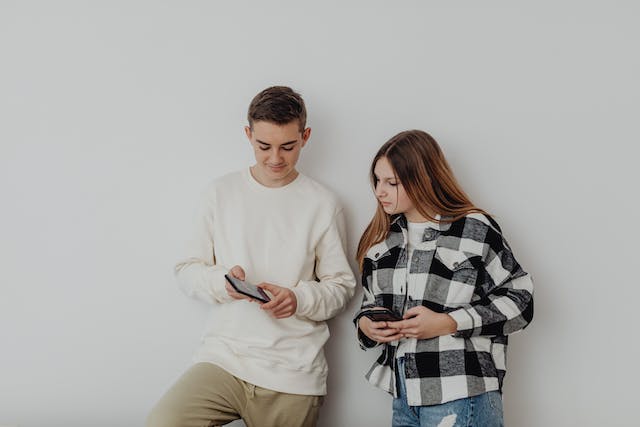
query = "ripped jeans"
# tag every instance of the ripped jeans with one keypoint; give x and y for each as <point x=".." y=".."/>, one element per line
<point x="484" y="410"/>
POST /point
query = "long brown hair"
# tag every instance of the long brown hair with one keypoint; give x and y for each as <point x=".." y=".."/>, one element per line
<point x="425" y="174"/>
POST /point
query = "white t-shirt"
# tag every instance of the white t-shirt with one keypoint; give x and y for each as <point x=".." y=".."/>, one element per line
<point x="416" y="236"/>
<point x="416" y="232"/>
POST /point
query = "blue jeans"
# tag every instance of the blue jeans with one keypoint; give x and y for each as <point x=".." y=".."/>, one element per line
<point x="484" y="410"/>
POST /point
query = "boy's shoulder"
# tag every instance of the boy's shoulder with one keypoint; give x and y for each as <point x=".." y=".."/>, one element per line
<point x="226" y="179"/>
<point x="221" y="185"/>
<point x="317" y="190"/>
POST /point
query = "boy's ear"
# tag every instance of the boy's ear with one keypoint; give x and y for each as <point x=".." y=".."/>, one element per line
<point x="305" y="136"/>
<point x="247" y="131"/>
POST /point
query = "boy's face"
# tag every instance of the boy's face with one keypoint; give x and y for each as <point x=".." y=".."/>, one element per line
<point x="277" y="148"/>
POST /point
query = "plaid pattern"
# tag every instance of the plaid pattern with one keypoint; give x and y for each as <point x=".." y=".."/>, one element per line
<point x="465" y="269"/>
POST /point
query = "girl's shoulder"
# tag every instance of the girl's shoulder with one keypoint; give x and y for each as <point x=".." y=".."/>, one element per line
<point x="393" y="243"/>
<point x="474" y="222"/>
<point x="475" y="230"/>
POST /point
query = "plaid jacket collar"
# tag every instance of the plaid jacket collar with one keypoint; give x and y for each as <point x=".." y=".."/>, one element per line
<point x="401" y="221"/>
<point x="398" y="230"/>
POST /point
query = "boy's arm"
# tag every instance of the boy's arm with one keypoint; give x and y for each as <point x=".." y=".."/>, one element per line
<point x="197" y="274"/>
<point x="322" y="299"/>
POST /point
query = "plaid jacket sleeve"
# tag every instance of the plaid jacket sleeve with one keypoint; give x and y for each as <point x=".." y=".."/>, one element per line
<point x="506" y="305"/>
<point x="368" y="301"/>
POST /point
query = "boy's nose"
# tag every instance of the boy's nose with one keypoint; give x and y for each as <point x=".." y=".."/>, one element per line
<point x="275" y="157"/>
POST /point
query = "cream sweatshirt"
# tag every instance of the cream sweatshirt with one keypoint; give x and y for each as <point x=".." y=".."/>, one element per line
<point x="292" y="236"/>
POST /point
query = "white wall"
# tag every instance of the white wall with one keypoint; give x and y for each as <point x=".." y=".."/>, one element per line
<point x="114" y="116"/>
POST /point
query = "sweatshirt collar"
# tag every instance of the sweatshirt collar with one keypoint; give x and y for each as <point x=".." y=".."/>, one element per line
<point x="256" y="185"/>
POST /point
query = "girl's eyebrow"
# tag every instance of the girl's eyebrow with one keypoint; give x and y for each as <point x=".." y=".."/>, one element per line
<point x="386" y="177"/>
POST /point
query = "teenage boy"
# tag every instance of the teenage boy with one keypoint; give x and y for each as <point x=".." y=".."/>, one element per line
<point x="273" y="226"/>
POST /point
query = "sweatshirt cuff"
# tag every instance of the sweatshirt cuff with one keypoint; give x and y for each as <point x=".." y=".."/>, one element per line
<point x="303" y="299"/>
<point x="217" y="286"/>
<point x="464" y="320"/>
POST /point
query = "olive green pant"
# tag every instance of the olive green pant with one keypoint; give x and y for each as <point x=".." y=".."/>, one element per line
<point x="207" y="395"/>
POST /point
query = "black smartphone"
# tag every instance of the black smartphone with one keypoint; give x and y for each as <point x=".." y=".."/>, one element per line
<point x="247" y="289"/>
<point x="381" y="315"/>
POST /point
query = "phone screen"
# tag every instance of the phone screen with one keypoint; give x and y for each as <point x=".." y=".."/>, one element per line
<point x="247" y="289"/>
<point x="382" y="315"/>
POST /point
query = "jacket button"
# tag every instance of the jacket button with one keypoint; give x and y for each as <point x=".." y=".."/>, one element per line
<point x="456" y="264"/>
<point x="377" y="254"/>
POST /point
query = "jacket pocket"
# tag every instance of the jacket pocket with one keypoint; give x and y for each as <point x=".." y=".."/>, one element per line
<point x="378" y="252"/>
<point x="454" y="274"/>
<point x="453" y="259"/>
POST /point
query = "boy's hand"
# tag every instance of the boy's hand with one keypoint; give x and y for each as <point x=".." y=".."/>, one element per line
<point x="238" y="273"/>
<point x="283" y="304"/>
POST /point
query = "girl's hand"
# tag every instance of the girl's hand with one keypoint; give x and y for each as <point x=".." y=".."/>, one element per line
<point x="378" y="331"/>
<point x="422" y="323"/>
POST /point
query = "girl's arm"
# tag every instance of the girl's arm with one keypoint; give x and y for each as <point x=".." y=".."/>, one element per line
<point x="368" y="301"/>
<point x="507" y="306"/>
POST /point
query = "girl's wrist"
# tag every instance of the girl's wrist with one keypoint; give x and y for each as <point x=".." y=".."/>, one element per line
<point x="449" y="325"/>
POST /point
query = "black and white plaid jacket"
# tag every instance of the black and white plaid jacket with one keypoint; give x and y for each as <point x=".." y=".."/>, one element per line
<point x="465" y="269"/>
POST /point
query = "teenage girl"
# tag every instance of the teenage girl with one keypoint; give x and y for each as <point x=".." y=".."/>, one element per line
<point x="442" y="266"/>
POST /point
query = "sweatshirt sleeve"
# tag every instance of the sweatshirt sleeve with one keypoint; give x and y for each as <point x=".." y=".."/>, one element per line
<point x="322" y="299"/>
<point x="197" y="273"/>
<point x="507" y="307"/>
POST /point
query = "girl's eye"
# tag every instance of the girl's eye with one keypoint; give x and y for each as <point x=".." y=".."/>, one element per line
<point x="393" y="184"/>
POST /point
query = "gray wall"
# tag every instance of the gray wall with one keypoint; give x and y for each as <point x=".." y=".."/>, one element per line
<point x="115" y="115"/>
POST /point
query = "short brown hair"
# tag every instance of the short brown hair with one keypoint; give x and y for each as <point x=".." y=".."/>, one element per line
<point x="278" y="104"/>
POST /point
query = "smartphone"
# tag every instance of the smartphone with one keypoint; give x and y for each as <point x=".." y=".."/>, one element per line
<point x="381" y="315"/>
<point x="247" y="289"/>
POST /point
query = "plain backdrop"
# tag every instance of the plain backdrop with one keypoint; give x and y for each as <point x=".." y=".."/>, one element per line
<point x="114" y="116"/>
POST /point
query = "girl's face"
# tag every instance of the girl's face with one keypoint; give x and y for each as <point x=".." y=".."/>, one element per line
<point x="391" y="194"/>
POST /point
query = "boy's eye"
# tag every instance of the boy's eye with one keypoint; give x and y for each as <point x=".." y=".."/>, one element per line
<point x="263" y="148"/>
<point x="287" y="148"/>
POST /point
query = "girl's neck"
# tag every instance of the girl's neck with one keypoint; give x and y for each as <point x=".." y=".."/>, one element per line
<point x="414" y="216"/>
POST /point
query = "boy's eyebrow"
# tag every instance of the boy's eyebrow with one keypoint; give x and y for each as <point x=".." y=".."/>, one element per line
<point x="286" y="143"/>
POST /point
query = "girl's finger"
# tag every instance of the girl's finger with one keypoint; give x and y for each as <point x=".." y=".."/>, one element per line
<point x="390" y="338"/>
<point x="388" y="332"/>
